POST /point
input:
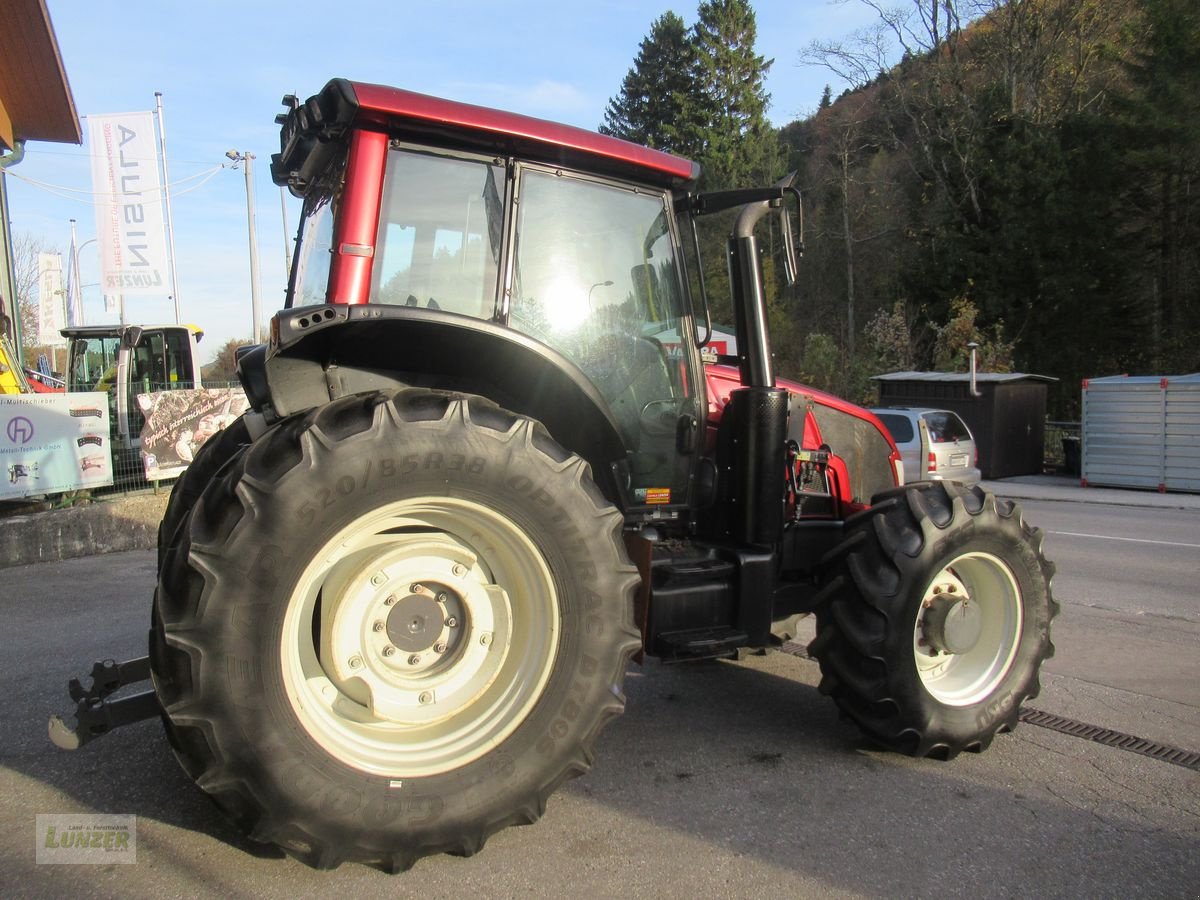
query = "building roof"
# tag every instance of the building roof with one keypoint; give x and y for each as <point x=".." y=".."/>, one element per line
<point x="1156" y="380"/>
<point x="980" y="377"/>
<point x="35" y="97"/>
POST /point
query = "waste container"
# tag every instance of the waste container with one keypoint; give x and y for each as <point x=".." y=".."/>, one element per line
<point x="1071" y="454"/>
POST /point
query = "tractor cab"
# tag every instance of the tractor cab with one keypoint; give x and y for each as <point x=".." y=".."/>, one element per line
<point x="536" y="264"/>
<point x="127" y="360"/>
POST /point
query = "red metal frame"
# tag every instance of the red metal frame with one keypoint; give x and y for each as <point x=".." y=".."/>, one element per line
<point x="354" y="237"/>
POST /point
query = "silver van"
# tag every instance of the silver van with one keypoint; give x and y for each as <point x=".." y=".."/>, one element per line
<point x="935" y="444"/>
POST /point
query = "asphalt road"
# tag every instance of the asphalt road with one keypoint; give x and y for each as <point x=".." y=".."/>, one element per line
<point x="724" y="779"/>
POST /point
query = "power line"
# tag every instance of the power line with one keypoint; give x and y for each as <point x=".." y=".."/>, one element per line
<point x="65" y="192"/>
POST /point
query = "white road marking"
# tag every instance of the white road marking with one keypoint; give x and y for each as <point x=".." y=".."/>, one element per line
<point x="1108" y="537"/>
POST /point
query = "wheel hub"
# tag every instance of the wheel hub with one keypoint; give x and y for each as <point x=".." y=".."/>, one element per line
<point x="415" y="631"/>
<point x="952" y="624"/>
<point x="415" y="623"/>
<point x="968" y="629"/>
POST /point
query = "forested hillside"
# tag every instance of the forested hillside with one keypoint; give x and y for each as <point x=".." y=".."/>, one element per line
<point x="1021" y="174"/>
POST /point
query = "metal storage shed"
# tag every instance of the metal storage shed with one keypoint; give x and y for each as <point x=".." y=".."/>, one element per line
<point x="1007" y="418"/>
<point x="1142" y="432"/>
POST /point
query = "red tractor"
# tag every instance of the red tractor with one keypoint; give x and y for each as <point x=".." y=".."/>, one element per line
<point x="485" y="465"/>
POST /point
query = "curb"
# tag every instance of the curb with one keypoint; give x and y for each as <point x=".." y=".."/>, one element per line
<point x="110" y="526"/>
<point x="1057" y="491"/>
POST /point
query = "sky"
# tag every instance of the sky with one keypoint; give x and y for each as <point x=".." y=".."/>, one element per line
<point x="223" y="67"/>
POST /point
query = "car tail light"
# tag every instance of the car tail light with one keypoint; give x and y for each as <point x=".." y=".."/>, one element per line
<point x="932" y="462"/>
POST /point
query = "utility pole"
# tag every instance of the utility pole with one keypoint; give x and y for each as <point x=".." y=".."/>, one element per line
<point x="162" y="142"/>
<point x="248" y="159"/>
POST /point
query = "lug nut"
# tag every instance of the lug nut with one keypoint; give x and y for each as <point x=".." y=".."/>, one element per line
<point x="377" y="627"/>
<point x="452" y="622"/>
<point x="443" y="597"/>
<point x="389" y="601"/>
<point x="414" y="588"/>
<point x="439" y="647"/>
<point x="459" y="570"/>
<point x="389" y="650"/>
<point x="355" y="662"/>
<point x="414" y="659"/>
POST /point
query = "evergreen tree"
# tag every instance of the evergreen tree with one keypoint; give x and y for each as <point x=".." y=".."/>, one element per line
<point x="737" y="145"/>
<point x="1159" y="125"/>
<point x="656" y="105"/>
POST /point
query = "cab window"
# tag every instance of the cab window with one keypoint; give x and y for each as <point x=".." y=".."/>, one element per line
<point x="438" y="244"/>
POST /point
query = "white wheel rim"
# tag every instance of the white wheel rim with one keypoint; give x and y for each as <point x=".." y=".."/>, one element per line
<point x="420" y="636"/>
<point x="969" y="674"/>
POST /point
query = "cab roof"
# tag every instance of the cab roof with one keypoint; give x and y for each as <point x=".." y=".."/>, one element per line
<point x="343" y="104"/>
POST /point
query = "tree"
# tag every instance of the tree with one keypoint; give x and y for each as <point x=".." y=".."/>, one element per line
<point x="952" y="348"/>
<point x="25" y="273"/>
<point x="889" y="339"/>
<point x="737" y="146"/>
<point x="657" y="103"/>
<point x="851" y="146"/>
<point x="223" y="366"/>
<point x="1159" y="122"/>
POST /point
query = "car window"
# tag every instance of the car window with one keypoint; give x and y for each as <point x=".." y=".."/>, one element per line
<point x="899" y="426"/>
<point x="945" y="427"/>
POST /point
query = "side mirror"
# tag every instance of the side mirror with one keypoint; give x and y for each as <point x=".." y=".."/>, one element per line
<point x="131" y="336"/>
<point x="792" y="248"/>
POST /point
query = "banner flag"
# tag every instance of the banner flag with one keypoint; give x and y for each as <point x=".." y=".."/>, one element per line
<point x="129" y="217"/>
<point x="74" y="295"/>
<point x="50" y="299"/>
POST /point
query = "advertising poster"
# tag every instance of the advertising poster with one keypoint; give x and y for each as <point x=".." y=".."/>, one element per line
<point x="179" y="422"/>
<point x="53" y="443"/>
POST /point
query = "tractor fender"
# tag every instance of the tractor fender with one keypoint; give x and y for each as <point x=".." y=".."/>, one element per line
<point x="320" y="353"/>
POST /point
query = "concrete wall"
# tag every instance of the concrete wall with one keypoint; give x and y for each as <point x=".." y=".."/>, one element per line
<point x="129" y="523"/>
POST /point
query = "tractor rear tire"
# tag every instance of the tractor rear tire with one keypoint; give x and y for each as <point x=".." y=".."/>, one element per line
<point x="392" y="626"/>
<point x="211" y="456"/>
<point x="935" y="618"/>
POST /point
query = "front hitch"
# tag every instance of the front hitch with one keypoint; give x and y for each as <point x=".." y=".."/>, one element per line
<point x="95" y="713"/>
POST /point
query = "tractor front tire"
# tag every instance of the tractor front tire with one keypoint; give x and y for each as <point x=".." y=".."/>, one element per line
<point x="935" y="618"/>
<point x="392" y="626"/>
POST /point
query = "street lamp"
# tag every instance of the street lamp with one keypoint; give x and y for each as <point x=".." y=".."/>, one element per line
<point x="248" y="159"/>
<point x="593" y="287"/>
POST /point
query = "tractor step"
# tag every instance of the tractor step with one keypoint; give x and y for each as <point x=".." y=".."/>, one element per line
<point x="701" y="643"/>
<point x="95" y="713"/>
